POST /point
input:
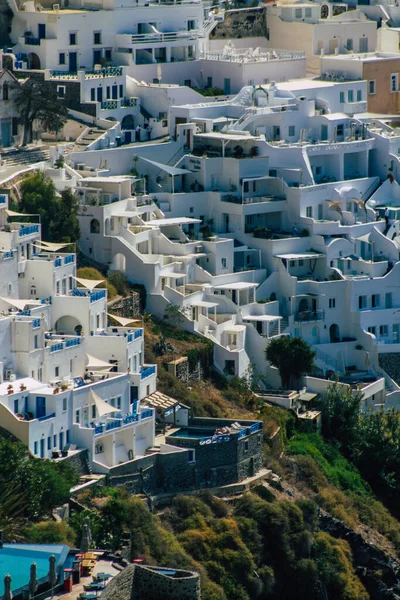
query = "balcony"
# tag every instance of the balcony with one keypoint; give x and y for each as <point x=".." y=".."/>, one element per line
<point x="69" y="259"/>
<point x="28" y="230"/>
<point x="160" y="37"/>
<point x="308" y="316"/>
<point x="146" y="372"/>
<point x="121" y="103"/>
<point x="93" y="295"/>
<point x="57" y="263"/>
<point x="30" y="40"/>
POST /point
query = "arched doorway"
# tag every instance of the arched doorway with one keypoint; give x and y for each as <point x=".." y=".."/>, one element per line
<point x="33" y="61"/>
<point x="324" y="11"/>
<point x="119" y="263"/>
<point x="303" y="305"/>
<point x="94" y="226"/>
<point x="128" y="122"/>
<point x="68" y="325"/>
<point x="334" y="333"/>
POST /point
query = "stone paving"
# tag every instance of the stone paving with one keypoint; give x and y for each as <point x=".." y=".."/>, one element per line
<point x="102" y="566"/>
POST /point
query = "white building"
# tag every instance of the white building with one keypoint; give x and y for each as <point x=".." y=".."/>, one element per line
<point x="68" y="380"/>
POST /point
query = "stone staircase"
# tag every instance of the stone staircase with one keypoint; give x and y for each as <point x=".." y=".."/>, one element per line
<point x="87" y="138"/>
<point x="26" y="156"/>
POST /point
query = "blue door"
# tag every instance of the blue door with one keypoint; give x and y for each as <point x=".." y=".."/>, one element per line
<point x="227" y="86"/>
<point x="42" y="31"/>
<point x="72" y="62"/>
<point x="5" y="134"/>
<point x="40" y="406"/>
<point x="42" y="448"/>
<point x="61" y="439"/>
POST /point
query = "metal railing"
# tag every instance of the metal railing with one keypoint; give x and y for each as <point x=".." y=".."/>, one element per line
<point x="69" y="259"/>
<point x="57" y="262"/>
<point x="28" y="230"/>
<point x="32" y="41"/>
<point x="147" y="372"/>
<point x="306" y="316"/>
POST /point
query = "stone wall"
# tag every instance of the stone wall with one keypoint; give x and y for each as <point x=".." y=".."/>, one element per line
<point x="79" y="462"/>
<point x="241" y="23"/>
<point x="390" y="362"/>
<point x="126" y="307"/>
<point x="149" y="584"/>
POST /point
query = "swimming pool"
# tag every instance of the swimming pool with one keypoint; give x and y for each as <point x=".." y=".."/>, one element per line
<point x="198" y="434"/>
<point x="16" y="560"/>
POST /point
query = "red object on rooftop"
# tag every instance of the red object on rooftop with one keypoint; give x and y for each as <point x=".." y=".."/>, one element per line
<point x="137" y="560"/>
<point x="67" y="586"/>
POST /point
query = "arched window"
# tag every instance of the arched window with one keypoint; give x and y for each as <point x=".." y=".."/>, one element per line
<point x="94" y="226"/>
<point x="33" y="291"/>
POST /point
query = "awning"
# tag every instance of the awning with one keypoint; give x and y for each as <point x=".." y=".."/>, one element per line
<point x="173" y="275"/>
<point x="90" y="284"/>
<point x="13" y="213"/>
<point x="101" y="406"/>
<point x="166" y="168"/>
<point x="52" y="248"/>
<point x="267" y="318"/>
<point x="173" y="221"/>
<point x="96" y="364"/>
<point x="237" y="285"/>
<point x="204" y="304"/>
<point x="364" y="238"/>
<point x="18" y="303"/>
<point x="125" y="213"/>
<point x="163" y="403"/>
<point x="123" y="321"/>
<point x="303" y="256"/>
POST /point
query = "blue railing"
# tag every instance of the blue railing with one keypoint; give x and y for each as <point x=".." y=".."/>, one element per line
<point x="2" y="199"/>
<point x="25" y="313"/>
<point x="57" y="262"/>
<point x="146" y="413"/>
<point x="113" y="425"/>
<point x="73" y="342"/>
<point x="32" y="41"/>
<point x="99" y="295"/>
<point x="9" y="254"/>
<point x="256" y="427"/>
<point x="56" y="347"/>
<point x="46" y="300"/>
<point x="35" y="323"/>
<point x="45" y="417"/>
<point x="129" y="337"/>
<point x="243" y="433"/>
<point x="130" y="419"/>
<point x="147" y="372"/>
<point x="79" y="292"/>
<point x="98" y="429"/>
<point x="28" y="230"/>
<point x="138" y="333"/>
<point x="69" y="259"/>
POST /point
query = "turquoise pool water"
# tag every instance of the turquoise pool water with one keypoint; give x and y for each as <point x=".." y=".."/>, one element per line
<point x="193" y="433"/>
<point x="16" y="560"/>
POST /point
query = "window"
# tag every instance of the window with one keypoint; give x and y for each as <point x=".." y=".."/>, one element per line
<point x="121" y="91"/>
<point x="301" y="263"/>
<point x="362" y="302"/>
<point x="341" y="97"/>
<point x="73" y="39"/>
<point x="359" y="95"/>
<point x="107" y="53"/>
<point x="57" y="371"/>
<point x="49" y="443"/>
<point x="97" y="37"/>
<point x="350" y="96"/>
<point x="35" y="342"/>
<point x="114" y="92"/>
<point x="55" y="440"/>
<point x="349" y="44"/>
<point x="372" y="330"/>
<point x="223" y="263"/>
<point x="191" y="209"/>
<point x="61" y="58"/>
<point x="340" y="128"/>
<point x="309" y="211"/>
<point x="108" y="92"/>
<point x="308" y="13"/>
<point x="375" y="300"/>
<point x="35" y="447"/>
<point x="67" y="436"/>
<point x="292" y="130"/>
<point x="16" y="406"/>
<point x="371" y="86"/>
<point x="394" y="82"/>
<point x="5" y="91"/>
<point x="332" y="302"/>
<point x="119" y="402"/>
<point x="191" y="24"/>
<point x="298" y="13"/>
<point x="93" y="94"/>
<point x="77" y="416"/>
<point x="65" y="403"/>
<point x="93" y="411"/>
<point x="61" y="91"/>
<point x="383" y="330"/>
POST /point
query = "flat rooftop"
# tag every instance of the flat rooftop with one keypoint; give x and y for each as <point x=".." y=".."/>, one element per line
<point x="364" y="56"/>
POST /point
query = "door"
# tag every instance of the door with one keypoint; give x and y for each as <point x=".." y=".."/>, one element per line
<point x="5" y="134"/>
<point x="324" y="132"/>
<point x="61" y="440"/>
<point x="96" y="57"/>
<point x="99" y="94"/>
<point x="227" y="86"/>
<point x="42" y="31"/>
<point x="42" y="448"/>
<point x="333" y="44"/>
<point x="72" y="61"/>
<point x="388" y="300"/>
<point x="40" y="406"/>
<point x="363" y="44"/>
<point x="128" y="137"/>
<point x="276" y="132"/>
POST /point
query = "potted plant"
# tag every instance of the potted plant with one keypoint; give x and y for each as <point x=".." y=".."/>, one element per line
<point x="56" y="390"/>
<point x="64" y="451"/>
<point x="64" y="387"/>
<point x="22" y="387"/>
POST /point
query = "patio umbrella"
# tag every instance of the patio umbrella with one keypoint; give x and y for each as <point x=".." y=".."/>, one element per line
<point x="362" y="205"/>
<point x="336" y="205"/>
<point x="7" y="588"/>
<point x="52" y="573"/>
<point x="33" y="583"/>
<point x="86" y="536"/>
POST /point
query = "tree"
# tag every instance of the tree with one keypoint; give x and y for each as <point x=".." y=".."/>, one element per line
<point x="340" y="415"/>
<point x="58" y="215"/>
<point x="291" y="356"/>
<point x="38" y="100"/>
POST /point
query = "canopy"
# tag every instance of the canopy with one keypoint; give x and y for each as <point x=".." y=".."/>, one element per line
<point x="12" y="213"/>
<point x="101" y="406"/>
<point x="170" y="170"/>
<point x="90" y="284"/>
<point x="236" y="285"/>
<point x="52" y="248"/>
<point x="18" y="303"/>
<point x="123" y="321"/>
<point x="364" y="238"/>
<point x="96" y="364"/>
<point x="173" y="221"/>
